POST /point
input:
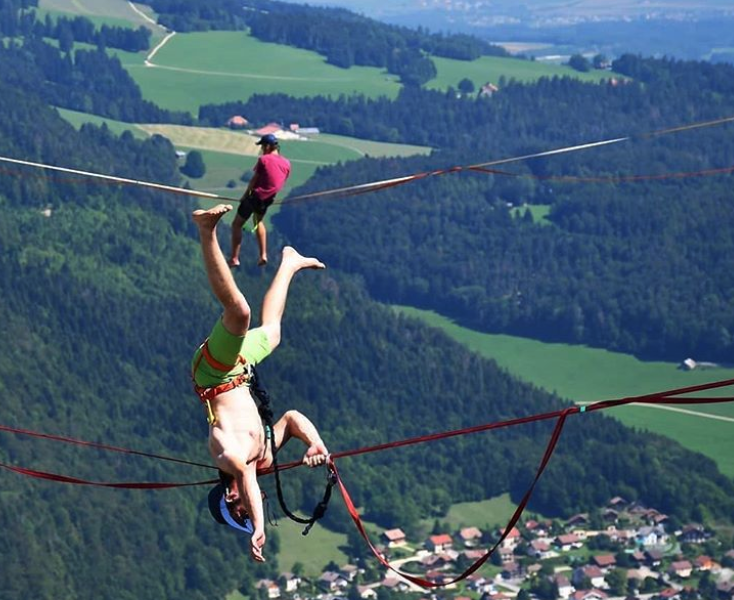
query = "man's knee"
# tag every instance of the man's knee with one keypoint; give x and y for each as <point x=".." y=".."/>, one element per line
<point x="237" y="222"/>
<point x="240" y="308"/>
<point x="236" y="316"/>
<point x="272" y="330"/>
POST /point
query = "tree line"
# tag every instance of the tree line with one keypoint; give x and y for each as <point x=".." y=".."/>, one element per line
<point x="89" y="81"/>
<point x="17" y="20"/>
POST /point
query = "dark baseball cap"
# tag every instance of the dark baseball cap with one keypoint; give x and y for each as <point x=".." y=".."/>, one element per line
<point x="268" y="140"/>
<point x="219" y="510"/>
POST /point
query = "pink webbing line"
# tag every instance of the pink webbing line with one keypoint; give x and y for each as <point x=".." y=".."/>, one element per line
<point x="69" y="440"/>
<point x="654" y="398"/>
<point x="609" y="179"/>
<point x="484" y="167"/>
<point x="76" y="481"/>
<point x="560" y="415"/>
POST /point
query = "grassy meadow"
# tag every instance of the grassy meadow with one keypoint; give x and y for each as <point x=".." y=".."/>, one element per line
<point x="313" y="551"/>
<point x="101" y="12"/>
<point x="77" y="119"/>
<point x="584" y="375"/>
<point x="487" y="514"/>
<point x="213" y="67"/>
<point x="491" y="68"/>
<point x="228" y="154"/>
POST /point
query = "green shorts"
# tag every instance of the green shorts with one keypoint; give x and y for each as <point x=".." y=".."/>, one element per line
<point x="226" y="348"/>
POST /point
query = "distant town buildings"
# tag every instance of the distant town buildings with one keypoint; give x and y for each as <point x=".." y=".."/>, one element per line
<point x="571" y="558"/>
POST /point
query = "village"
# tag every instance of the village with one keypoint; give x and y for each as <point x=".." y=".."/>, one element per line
<point x="626" y="551"/>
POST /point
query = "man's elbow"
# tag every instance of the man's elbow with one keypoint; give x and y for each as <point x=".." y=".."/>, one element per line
<point x="232" y="463"/>
<point x="293" y="416"/>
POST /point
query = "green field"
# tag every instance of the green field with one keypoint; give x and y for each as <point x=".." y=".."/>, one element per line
<point x="224" y="66"/>
<point x="370" y="148"/>
<point x="77" y="119"/>
<point x="320" y="149"/>
<point x="495" y="512"/>
<point x="100" y="12"/>
<point x="488" y="69"/>
<point x="584" y="374"/>
<point x="539" y="212"/>
<point x="314" y="551"/>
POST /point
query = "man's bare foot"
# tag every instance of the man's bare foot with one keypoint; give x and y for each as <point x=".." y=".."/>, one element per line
<point x="234" y="263"/>
<point x="208" y="219"/>
<point x="296" y="261"/>
<point x="263" y="261"/>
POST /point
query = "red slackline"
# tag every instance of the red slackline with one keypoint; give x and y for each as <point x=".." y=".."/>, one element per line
<point x="667" y="397"/>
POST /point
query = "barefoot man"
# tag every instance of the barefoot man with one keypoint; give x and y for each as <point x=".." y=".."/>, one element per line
<point x="238" y="441"/>
<point x="270" y="174"/>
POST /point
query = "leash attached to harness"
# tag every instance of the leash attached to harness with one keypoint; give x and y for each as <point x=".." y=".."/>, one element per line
<point x="266" y="414"/>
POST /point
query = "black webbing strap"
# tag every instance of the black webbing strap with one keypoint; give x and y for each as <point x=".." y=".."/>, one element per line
<point x="266" y="414"/>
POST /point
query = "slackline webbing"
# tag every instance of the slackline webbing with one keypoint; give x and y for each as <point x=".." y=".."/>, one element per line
<point x="374" y="186"/>
<point x="666" y="397"/>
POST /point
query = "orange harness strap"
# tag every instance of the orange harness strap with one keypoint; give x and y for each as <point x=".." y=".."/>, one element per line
<point x="207" y="394"/>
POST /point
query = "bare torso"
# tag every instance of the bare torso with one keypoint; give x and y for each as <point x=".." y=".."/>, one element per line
<point x="238" y="428"/>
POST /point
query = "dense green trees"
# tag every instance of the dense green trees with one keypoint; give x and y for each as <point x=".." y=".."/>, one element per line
<point x="14" y="22"/>
<point x="194" y="166"/>
<point x="85" y="80"/>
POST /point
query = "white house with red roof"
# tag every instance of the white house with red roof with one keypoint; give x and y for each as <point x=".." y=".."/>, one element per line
<point x="272" y="589"/>
<point x="705" y="563"/>
<point x="565" y="589"/>
<point x="590" y="572"/>
<point x="273" y="128"/>
<point x="470" y="535"/>
<point x="512" y="540"/>
<point x="439" y="543"/>
<point x="540" y="549"/>
<point x="604" y="561"/>
<point x="394" y="538"/>
<point x="237" y="122"/>
<point x="681" y="568"/>
<point x="568" y="541"/>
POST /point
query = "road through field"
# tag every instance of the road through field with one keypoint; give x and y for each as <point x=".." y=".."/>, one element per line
<point x="685" y="411"/>
<point x="244" y="75"/>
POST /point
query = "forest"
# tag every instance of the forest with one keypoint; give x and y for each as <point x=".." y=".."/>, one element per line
<point x="16" y="20"/>
<point x="105" y="299"/>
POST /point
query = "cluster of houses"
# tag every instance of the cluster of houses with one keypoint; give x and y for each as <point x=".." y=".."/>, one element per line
<point x="294" y="131"/>
<point x="574" y="570"/>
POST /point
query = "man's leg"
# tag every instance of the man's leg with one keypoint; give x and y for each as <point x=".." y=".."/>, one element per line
<point x="237" y="224"/>
<point x="236" y="318"/>
<point x="275" y="298"/>
<point x="262" y="242"/>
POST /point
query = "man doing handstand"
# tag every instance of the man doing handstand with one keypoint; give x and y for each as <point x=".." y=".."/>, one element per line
<point x="238" y="442"/>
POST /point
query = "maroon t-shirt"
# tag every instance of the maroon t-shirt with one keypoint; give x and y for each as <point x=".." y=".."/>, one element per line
<point x="272" y="171"/>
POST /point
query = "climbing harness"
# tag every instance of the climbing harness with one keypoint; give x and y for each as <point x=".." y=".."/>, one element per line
<point x="207" y="394"/>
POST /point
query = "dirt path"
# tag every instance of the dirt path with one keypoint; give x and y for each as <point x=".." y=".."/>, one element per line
<point x="684" y="411"/>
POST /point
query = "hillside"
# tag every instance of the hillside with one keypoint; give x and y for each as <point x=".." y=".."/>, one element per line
<point x="612" y="272"/>
<point x="104" y="300"/>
